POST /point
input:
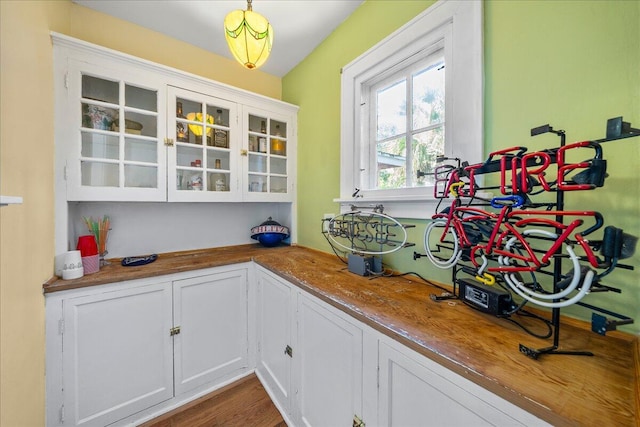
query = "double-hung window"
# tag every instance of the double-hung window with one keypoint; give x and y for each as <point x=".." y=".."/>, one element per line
<point x="406" y="125"/>
<point x="413" y="97"/>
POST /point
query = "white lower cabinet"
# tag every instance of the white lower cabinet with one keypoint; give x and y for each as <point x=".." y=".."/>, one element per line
<point x="416" y="391"/>
<point x="118" y="356"/>
<point x="274" y="326"/>
<point x="309" y="355"/>
<point x="119" y="352"/>
<point x="327" y="366"/>
<point x="211" y="312"/>
<point x="123" y="353"/>
<point x="342" y="371"/>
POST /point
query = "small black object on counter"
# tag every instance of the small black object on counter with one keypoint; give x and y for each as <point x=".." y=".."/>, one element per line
<point x="138" y="260"/>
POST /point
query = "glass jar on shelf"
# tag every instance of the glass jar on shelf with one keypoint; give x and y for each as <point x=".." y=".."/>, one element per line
<point x="182" y="130"/>
<point x="262" y="144"/>
<point x="220" y="138"/>
<point x="253" y="143"/>
<point x="217" y="180"/>
<point x="278" y="145"/>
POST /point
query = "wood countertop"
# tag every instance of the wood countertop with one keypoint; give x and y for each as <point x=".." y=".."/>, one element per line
<point x="602" y="390"/>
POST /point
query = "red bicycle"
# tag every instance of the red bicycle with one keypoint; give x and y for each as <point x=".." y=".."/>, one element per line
<point x="513" y="241"/>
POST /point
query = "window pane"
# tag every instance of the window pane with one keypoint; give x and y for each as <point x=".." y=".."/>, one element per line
<point x="140" y="176"/>
<point x="98" y="117"/>
<point x="278" y="184"/>
<point x="97" y="174"/>
<point x="257" y="163"/>
<point x="140" y="124"/>
<point x="391" y="110"/>
<point x="391" y="160"/>
<point x="100" y="89"/>
<point x="140" y="150"/>
<point x="189" y="156"/>
<point x="425" y="148"/>
<point x="257" y="183"/>
<point x="428" y="96"/>
<point x="278" y="166"/>
<point x="100" y="146"/>
<point x="143" y="99"/>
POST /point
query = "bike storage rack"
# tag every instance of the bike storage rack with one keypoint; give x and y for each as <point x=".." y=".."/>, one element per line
<point x="523" y="242"/>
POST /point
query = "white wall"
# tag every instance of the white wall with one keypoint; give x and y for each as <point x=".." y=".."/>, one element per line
<point x="144" y="228"/>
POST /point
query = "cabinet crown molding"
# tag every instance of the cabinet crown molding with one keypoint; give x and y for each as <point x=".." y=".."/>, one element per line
<point x="84" y="47"/>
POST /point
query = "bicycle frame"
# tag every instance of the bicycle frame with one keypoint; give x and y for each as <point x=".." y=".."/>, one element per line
<point x="504" y="228"/>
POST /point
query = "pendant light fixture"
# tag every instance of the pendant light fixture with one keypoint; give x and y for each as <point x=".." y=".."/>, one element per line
<point x="249" y="36"/>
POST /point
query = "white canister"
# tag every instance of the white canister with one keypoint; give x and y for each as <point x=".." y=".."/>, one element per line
<point x="72" y="268"/>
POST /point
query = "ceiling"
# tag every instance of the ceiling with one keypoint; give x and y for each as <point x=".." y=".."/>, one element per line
<point x="299" y="25"/>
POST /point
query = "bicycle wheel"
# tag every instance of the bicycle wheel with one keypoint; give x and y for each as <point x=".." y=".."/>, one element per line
<point x="441" y="244"/>
<point x="561" y="296"/>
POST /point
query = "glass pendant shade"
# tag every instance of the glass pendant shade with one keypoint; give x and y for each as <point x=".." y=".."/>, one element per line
<point x="249" y="36"/>
<point x="197" y="129"/>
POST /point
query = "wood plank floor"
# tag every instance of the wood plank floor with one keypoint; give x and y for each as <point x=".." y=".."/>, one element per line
<point x="242" y="403"/>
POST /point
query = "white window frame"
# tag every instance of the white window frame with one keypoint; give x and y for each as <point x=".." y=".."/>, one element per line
<point x="457" y="25"/>
<point x="370" y="106"/>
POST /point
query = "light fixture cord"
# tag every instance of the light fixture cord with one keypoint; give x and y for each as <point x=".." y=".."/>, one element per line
<point x="249" y="5"/>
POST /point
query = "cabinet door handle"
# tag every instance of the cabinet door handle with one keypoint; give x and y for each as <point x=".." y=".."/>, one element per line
<point x="288" y="351"/>
<point x="243" y="152"/>
<point x="168" y="142"/>
<point x="174" y="331"/>
<point x="357" y="421"/>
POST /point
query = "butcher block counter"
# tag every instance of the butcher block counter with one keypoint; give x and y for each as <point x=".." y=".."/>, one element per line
<point x="602" y="390"/>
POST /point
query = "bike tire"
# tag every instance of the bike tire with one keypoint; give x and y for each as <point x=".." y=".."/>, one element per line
<point x="443" y="253"/>
<point x="550" y="299"/>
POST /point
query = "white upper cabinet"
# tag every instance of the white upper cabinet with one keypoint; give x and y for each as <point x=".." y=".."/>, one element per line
<point x="268" y="155"/>
<point x="204" y="155"/>
<point x="131" y="130"/>
<point x="112" y="127"/>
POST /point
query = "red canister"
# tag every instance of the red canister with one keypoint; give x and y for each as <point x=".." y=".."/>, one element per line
<point x="89" y="252"/>
<point x="87" y="245"/>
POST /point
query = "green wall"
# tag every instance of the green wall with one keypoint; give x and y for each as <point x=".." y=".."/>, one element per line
<point x="314" y="85"/>
<point x="572" y="64"/>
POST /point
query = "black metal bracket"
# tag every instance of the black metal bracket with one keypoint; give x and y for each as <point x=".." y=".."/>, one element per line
<point x="616" y="128"/>
<point x="545" y="129"/>
<point x="535" y="353"/>
<point x="600" y="324"/>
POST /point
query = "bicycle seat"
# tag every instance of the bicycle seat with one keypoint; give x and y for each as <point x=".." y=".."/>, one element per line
<point x="513" y="201"/>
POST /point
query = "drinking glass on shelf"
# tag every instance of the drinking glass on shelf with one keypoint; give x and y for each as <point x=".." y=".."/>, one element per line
<point x="100" y="229"/>
<point x="101" y="240"/>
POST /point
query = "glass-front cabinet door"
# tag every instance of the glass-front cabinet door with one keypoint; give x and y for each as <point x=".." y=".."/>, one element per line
<point x="203" y="153"/>
<point x="121" y="154"/>
<point x="269" y="153"/>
